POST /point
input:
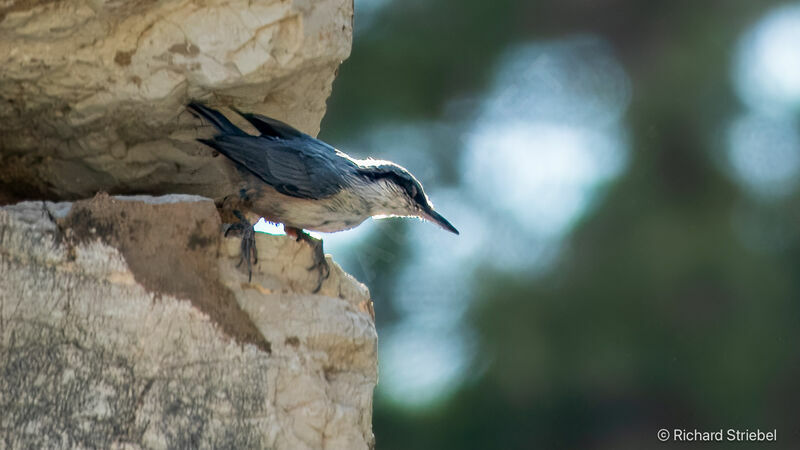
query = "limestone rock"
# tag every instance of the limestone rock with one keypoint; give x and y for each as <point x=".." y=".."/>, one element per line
<point x="92" y="92"/>
<point x="125" y="323"/>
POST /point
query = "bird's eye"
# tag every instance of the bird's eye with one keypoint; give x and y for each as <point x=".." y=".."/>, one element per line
<point x="412" y="191"/>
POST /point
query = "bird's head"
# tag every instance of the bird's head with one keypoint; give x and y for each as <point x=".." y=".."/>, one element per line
<point x="400" y="194"/>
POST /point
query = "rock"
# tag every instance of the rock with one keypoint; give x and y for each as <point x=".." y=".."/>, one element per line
<point x="92" y="92"/>
<point x="125" y="323"/>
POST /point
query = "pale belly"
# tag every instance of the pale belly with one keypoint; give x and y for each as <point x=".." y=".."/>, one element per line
<point x="336" y="213"/>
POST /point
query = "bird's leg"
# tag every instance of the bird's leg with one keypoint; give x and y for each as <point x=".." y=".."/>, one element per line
<point x="248" y="246"/>
<point x="320" y="263"/>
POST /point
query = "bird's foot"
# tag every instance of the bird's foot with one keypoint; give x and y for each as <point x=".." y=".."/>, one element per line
<point x="320" y="264"/>
<point x="248" y="245"/>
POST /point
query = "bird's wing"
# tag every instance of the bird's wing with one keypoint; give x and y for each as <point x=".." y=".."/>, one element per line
<point x="272" y="127"/>
<point x="299" y="168"/>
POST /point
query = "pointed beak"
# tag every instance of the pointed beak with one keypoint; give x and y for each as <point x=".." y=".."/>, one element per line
<point x="437" y="218"/>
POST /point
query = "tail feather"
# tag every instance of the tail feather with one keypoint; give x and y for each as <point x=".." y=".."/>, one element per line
<point x="209" y="142"/>
<point x="216" y="118"/>
<point x="271" y="127"/>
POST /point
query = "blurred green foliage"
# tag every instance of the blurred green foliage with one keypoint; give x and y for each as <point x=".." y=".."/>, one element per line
<point x="657" y="314"/>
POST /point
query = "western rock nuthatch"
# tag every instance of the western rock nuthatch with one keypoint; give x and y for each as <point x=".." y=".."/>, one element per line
<point x="292" y="178"/>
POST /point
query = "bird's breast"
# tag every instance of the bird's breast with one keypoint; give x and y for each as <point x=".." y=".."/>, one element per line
<point x="335" y="213"/>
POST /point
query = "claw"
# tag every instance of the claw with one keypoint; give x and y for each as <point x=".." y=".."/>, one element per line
<point x="320" y="263"/>
<point x="249" y="251"/>
<point x="237" y="227"/>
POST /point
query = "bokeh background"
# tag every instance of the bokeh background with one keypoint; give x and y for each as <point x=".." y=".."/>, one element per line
<point x="625" y="178"/>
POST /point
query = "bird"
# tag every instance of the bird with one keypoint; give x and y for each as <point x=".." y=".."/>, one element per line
<point x="292" y="178"/>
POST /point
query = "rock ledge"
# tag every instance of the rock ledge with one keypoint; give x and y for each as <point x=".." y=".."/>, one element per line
<point x="124" y="322"/>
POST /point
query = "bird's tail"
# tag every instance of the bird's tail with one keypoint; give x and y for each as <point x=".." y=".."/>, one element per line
<point x="216" y="118"/>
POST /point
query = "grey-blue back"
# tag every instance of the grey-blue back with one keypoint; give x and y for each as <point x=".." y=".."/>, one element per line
<point x="290" y="161"/>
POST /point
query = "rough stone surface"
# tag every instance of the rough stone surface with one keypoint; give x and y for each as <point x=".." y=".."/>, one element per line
<point x="92" y="92"/>
<point x="109" y="339"/>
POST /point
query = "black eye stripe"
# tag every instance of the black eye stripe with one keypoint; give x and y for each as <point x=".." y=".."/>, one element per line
<point x="399" y="177"/>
